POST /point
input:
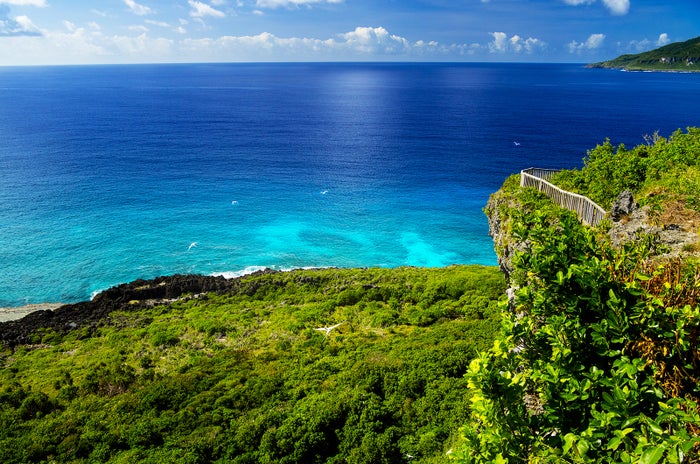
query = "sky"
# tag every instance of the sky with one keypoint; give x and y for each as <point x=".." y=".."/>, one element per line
<point x="62" y="32"/>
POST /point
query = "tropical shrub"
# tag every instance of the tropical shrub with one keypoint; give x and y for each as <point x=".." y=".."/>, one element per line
<point x="597" y="359"/>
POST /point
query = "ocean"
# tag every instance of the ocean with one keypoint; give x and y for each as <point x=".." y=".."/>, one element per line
<point x="113" y="173"/>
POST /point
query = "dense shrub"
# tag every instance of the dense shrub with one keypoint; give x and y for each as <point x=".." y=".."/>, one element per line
<point x="651" y="170"/>
<point x="597" y="360"/>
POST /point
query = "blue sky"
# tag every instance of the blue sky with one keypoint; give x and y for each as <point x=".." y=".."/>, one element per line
<point x="141" y="31"/>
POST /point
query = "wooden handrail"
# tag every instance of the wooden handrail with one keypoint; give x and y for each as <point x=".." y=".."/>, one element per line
<point x="588" y="211"/>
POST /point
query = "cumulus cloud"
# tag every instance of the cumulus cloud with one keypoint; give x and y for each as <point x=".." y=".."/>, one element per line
<point x="593" y="42"/>
<point x="616" y="7"/>
<point x="502" y="44"/>
<point x="138" y="9"/>
<point x="637" y="46"/>
<point x="16" y="27"/>
<point x="200" y="10"/>
<point x="290" y="3"/>
<point x="375" y="39"/>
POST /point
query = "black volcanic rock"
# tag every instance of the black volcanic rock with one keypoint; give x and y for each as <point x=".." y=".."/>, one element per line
<point x="134" y="295"/>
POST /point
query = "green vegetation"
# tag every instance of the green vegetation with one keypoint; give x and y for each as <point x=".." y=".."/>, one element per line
<point x="245" y="377"/>
<point x="678" y="56"/>
<point x="664" y="172"/>
<point x="598" y="359"/>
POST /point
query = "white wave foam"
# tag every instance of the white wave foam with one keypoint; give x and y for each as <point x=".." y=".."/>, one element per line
<point x="234" y="274"/>
<point x="251" y="269"/>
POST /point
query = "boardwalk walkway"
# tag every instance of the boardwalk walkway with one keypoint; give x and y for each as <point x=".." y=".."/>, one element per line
<point x="589" y="212"/>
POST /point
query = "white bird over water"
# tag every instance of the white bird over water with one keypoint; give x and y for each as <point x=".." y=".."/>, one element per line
<point x="328" y="329"/>
<point x="323" y="192"/>
<point x="517" y="144"/>
<point x="192" y="245"/>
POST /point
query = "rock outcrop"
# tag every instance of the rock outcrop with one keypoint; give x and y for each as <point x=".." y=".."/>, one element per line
<point x="505" y="245"/>
<point x="623" y="206"/>
<point x="125" y="297"/>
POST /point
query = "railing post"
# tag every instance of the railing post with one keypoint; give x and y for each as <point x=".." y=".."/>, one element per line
<point x="587" y="210"/>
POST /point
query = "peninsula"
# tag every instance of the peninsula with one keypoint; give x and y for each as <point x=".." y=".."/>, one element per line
<point x="677" y="57"/>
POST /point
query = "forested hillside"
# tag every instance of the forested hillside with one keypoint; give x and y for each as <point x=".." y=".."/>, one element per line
<point x="677" y="56"/>
<point x="351" y="366"/>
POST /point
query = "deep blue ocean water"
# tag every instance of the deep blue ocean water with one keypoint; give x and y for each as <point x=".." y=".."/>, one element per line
<point x="112" y="173"/>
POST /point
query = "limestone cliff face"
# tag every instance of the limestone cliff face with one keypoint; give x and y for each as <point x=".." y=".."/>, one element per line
<point x="500" y="228"/>
<point x="674" y="235"/>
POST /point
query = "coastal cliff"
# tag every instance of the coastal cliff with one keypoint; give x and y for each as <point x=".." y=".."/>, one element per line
<point x="597" y="359"/>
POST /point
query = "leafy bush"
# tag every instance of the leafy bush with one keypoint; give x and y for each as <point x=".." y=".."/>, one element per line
<point x="597" y="359"/>
<point x="648" y="169"/>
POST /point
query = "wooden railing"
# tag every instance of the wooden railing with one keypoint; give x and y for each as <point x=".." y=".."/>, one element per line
<point x="587" y="210"/>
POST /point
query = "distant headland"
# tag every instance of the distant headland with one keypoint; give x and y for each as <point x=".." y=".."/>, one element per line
<point x="676" y="57"/>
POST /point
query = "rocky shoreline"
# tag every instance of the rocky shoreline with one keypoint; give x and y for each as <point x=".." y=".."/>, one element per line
<point x="124" y="297"/>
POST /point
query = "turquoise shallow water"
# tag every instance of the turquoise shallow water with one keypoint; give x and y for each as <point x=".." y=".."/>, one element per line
<point x="115" y="173"/>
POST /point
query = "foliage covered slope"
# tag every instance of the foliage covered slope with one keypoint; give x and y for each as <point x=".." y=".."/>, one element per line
<point x="598" y="359"/>
<point x="246" y="377"/>
<point x="663" y="173"/>
<point x="678" y="56"/>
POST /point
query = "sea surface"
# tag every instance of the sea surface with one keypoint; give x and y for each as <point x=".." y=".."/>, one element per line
<point x="113" y="173"/>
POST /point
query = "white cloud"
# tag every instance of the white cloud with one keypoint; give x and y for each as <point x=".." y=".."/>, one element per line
<point x="26" y="23"/>
<point x="374" y="40"/>
<point x="39" y="3"/>
<point x="593" y="42"/>
<point x="616" y="7"/>
<point x="16" y="27"/>
<point x="200" y="10"/>
<point x="637" y="46"/>
<point x="502" y="44"/>
<point x="290" y="3"/>
<point x="139" y="28"/>
<point x="157" y="23"/>
<point x="138" y="9"/>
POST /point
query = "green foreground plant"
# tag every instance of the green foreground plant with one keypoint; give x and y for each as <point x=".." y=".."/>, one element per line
<point x="597" y="360"/>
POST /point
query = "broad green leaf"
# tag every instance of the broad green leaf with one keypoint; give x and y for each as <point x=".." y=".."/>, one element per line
<point x="653" y="454"/>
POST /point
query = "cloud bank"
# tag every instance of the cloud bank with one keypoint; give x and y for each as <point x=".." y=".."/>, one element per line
<point x="502" y="44"/>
